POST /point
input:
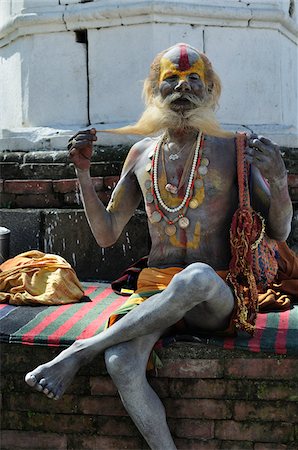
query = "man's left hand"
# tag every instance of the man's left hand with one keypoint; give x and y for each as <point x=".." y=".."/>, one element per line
<point x="266" y="156"/>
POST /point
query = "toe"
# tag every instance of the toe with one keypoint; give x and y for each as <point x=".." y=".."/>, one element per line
<point x="30" y="379"/>
<point x="50" y="395"/>
<point x="43" y="382"/>
<point x="46" y="391"/>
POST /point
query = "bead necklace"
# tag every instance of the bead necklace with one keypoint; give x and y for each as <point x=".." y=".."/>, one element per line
<point x="188" y="191"/>
<point x="169" y="187"/>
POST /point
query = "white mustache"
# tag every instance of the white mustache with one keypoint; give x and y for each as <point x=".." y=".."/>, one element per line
<point x="190" y="97"/>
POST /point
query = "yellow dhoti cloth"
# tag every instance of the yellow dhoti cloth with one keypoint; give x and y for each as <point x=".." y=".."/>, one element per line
<point x="150" y="281"/>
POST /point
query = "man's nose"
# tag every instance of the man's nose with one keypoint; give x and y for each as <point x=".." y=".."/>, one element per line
<point x="182" y="85"/>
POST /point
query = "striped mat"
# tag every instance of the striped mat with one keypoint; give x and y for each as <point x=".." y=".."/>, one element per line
<point x="59" y="326"/>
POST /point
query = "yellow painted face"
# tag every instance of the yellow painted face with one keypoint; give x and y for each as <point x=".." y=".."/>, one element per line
<point x="183" y="68"/>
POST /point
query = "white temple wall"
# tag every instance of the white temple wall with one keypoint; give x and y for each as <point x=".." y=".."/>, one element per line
<point x="54" y="80"/>
<point x="52" y="85"/>
<point x="11" y="86"/>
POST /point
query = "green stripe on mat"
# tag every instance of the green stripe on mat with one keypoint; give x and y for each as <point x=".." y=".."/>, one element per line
<point x="79" y="327"/>
<point x="270" y="332"/>
<point x="292" y="336"/>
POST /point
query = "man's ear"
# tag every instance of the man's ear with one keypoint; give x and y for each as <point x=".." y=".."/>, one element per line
<point x="210" y="87"/>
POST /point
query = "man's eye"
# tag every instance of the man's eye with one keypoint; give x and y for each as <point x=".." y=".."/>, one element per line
<point x="194" y="76"/>
<point x="171" y="78"/>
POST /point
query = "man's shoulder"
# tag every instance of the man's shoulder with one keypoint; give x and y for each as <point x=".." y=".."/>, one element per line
<point x="138" y="152"/>
<point x="142" y="148"/>
<point x="145" y="143"/>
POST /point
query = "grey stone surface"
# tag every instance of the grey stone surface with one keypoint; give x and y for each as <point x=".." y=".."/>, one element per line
<point x="12" y="156"/>
<point x="67" y="233"/>
<point x="44" y="157"/>
<point x="10" y="171"/>
<point x="43" y="171"/>
<point x="24" y="225"/>
<point x="104" y="169"/>
<point x="111" y="153"/>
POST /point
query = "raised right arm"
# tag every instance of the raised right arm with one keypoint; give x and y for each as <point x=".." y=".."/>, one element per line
<point x="106" y="223"/>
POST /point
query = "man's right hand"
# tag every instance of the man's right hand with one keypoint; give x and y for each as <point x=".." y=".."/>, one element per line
<point x="80" y="148"/>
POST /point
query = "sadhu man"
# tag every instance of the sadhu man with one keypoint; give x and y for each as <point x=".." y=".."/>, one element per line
<point x="188" y="180"/>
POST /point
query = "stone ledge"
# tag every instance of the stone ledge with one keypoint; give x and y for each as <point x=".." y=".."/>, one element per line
<point x="227" y="400"/>
<point x="64" y="17"/>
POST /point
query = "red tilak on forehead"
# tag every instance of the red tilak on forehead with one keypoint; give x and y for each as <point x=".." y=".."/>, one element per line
<point x="183" y="60"/>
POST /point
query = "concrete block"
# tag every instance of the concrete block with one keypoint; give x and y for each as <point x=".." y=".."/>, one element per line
<point x="54" y="71"/>
<point x="67" y="233"/>
<point x="289" y="82"/>
<point x="102" y="169"/>
<point x="11" y="85"/>
<point x="16" y="157"/>
<point x="10" y="171"/>
<point x="46" y="157"/>
<point x="250" y="74"/>
<point x="25" y="229"/>
<point x="28" y="186"/>
<point x="54" y="171"/>
<point x="38" y="201"/>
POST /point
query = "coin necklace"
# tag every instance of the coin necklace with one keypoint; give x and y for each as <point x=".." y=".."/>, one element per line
<point x="157" y="215"/>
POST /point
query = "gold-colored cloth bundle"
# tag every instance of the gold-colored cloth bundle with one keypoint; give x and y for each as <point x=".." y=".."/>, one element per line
<point x="34" y="277"/>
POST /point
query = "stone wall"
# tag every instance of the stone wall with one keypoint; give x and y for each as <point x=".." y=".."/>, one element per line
<point x="214" y="399"/>
<point x="40" y="204"/>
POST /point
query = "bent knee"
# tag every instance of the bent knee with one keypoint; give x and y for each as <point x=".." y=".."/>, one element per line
<point x="197" y="278"/>
<point x="120" y="362"/>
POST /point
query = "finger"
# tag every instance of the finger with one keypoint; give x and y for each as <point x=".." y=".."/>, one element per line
<point x="257" y="158"/>
<point x="251" y="135"/>
<point x="74" y="152"/>
<point x="266" y="141"/>
<point x="81" y="144"/>
<point x="257" y="144"/>
<point x="86" y="137"/>
<point x="75" y="144"/>
<point x="254" y="152"/>
<point x="80" y="132"/>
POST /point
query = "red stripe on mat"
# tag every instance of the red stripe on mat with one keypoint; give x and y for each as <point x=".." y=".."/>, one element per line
<point x="254" y="343"/>
<point x="94" y="326"/>
<point x="30" y="336"/>
<point x="55" y="337"/>
<point x="229" y="343"/>
<point x="281" y="336"/>
<point x="89" y="290"/>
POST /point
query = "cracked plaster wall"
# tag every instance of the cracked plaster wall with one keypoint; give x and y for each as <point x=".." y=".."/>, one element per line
<point x="53" y="82"/>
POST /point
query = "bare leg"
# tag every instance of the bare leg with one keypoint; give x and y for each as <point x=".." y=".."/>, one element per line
<point x="196" y="284"/>
<point x="126" y="363"/>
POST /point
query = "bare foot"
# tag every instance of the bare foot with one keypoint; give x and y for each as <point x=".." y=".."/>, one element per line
<point x="54" y="377"/>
